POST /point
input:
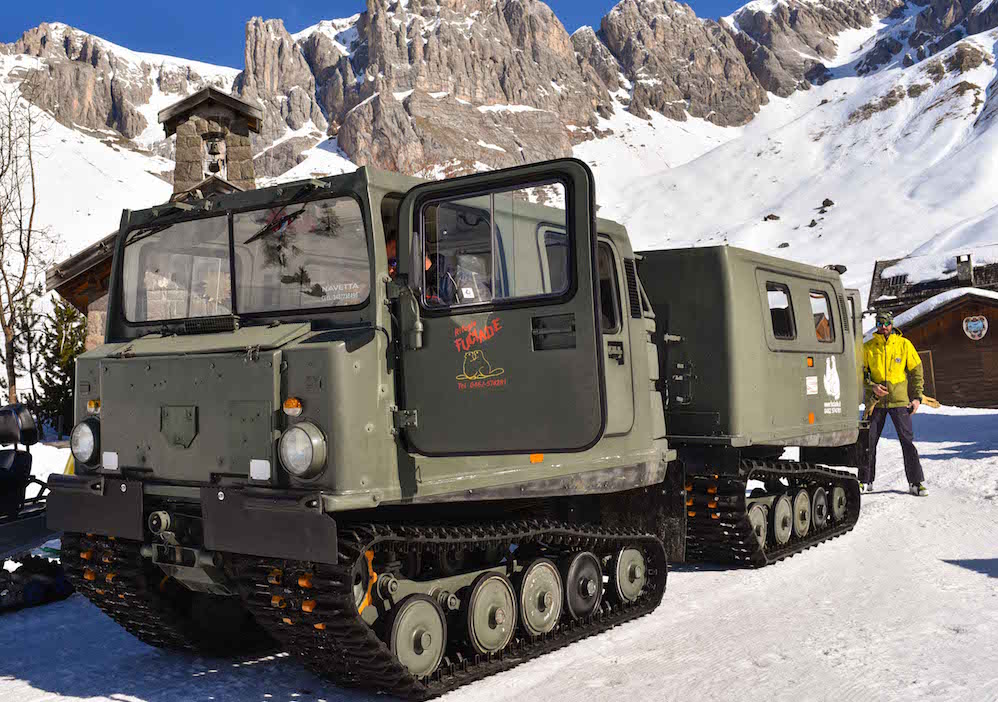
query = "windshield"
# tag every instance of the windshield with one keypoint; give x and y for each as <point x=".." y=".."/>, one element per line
<point x="308" y="255"/>
<point x="301" y="256"/>
<point x="178" y="271"/>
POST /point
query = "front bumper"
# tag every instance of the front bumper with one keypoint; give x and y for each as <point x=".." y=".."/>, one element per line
<point x="264" y="523"/>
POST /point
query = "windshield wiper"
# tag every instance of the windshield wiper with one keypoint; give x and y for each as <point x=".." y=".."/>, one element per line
<point x="281" y="221"/>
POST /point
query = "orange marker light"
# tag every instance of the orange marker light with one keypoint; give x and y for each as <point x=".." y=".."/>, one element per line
<point x="292" y="407"/>
<point x="810" y="417"/>
<point x="810" y="361"/>
<point x="537" y="458"/>
<point x="93" y="407"/>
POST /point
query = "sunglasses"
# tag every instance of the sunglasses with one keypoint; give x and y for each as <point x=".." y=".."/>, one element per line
<point x="882" y="325"/>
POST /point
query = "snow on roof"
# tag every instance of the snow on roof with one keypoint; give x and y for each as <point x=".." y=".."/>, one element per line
<point x="938" y="266"/>
<point x="922" y="309"/>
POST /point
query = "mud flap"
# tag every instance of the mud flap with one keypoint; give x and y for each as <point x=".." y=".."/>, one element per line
<point x="855" y="455"/>
<point x="268" y="526"/>
<point x="95" y="505"/>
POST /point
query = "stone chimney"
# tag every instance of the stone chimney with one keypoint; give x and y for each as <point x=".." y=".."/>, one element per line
<point x="213" y="140"/>
<point x="965" y="269"/>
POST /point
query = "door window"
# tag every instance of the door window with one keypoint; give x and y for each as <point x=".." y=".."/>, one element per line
<point x="483" y="249"/>
<point x="821" y="310"/>
<point x="608" y="290"/>
<point x="781" y="312"/>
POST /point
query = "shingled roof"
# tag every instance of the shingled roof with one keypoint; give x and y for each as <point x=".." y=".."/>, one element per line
<point x="901" y="283"/>
<point x="170" y="116"/>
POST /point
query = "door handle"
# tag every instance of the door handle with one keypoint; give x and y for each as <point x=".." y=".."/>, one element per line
<point x="615" y="351"/>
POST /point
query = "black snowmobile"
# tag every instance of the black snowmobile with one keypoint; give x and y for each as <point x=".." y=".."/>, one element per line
<point x="36" y="579"/>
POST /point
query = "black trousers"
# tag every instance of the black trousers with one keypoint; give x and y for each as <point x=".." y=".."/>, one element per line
<point x="902" y="423"/>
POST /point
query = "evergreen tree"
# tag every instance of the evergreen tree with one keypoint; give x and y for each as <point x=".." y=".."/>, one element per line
<point x="28" y="342"/>
<point x="63" y="340"/>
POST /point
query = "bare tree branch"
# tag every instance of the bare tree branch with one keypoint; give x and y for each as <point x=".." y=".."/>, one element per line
<point x="23" y="248"/>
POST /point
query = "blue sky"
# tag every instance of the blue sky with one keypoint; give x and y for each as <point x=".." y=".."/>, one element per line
<point x="213" y="32"/>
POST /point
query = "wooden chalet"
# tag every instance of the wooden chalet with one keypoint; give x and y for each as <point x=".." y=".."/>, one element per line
<point x="956" y="335"/>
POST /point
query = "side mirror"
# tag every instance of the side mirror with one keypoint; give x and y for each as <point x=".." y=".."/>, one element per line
<point x="17" y="426"/>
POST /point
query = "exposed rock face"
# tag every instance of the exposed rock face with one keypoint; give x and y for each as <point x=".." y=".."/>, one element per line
<point x="424" y="84"/>
<point x="278" y="77"/>
<point x="82" y="83"/>
<point x="85" y="82"/>
<point x="678" y="63"/>
<point x="432" y="86"/>
<point x="777" y="43"/>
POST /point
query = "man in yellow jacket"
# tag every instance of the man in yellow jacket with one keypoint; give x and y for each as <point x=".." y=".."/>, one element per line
<point x="890" y="361"/>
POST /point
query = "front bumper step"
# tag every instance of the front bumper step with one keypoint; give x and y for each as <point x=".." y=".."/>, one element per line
<point x="266" y="523"/>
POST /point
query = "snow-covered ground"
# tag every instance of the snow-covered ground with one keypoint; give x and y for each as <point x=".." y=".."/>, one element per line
<point x="904" y="607"/>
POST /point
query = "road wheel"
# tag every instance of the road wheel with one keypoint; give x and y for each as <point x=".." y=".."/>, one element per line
<point x="757" y="518"/>
<point x="782" y="520"/>
<point x="583" y="584"/>
<point x="491" y="613"/>
<point x="819" y="508"/>
<point x="629" y="574"/>
<point x="802" y="513"/>
<point x="838" y="503"/>
<point x="418" y="634"/>
<point x="541" y="597"/>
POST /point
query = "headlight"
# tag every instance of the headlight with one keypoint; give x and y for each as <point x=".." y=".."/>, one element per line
<point x="84" y="441"/>
<point x="303" y="450"/>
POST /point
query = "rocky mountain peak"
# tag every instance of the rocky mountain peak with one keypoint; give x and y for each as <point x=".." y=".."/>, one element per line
<point x="278" y="77"/>
<point x="448" y="86"/>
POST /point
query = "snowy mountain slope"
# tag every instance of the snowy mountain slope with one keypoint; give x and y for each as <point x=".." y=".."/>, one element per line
<point x="899" y="133"/>
<point x="903" y="153"/>
<point x="904" y="607"/>
<point x="85" y="178"/>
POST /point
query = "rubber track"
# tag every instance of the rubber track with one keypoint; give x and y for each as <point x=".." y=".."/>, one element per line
<point x="717" y="525"/>
<point x="111" y="573"/>
<point x="119" y="587"/>
<point x="345" y="650"/>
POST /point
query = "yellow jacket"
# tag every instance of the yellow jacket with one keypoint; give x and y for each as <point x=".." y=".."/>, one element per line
<point x="891" y="362"/>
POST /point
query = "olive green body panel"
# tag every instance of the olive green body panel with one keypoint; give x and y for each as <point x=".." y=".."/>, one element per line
<point x="185" y="410"/>
<point x="733" y="378"/>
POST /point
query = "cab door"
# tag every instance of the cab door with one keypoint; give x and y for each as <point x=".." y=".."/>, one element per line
<point x="501" y="347"/>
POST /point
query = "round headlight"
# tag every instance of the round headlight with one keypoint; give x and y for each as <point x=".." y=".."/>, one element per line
<point x="83" y="441"/>
<point x="303" y="450"/>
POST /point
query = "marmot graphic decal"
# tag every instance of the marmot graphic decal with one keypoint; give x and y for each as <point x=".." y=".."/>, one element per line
<point x="477" y="367"/>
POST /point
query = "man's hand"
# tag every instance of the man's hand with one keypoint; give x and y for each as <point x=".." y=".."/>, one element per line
<point x="915" y="404"/>
<point x="879" y="390"/>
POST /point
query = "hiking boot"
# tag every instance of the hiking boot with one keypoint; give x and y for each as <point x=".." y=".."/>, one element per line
<point x="919" y="490"/>
<point x="866" y="487"/>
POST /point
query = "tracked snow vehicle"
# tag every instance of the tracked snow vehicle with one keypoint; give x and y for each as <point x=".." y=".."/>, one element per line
<point x="414" y="473"/>
<point x="35" y="580"/>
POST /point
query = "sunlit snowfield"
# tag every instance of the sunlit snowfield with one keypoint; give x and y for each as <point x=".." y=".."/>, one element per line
<point x="904" y="607"/>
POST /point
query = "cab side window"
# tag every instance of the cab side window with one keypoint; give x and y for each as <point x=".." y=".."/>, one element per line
<point x="821" y="311"/>
<point x="781" y="311"/>
<point x="483" y="249"/>
<point x="609" y="287"/>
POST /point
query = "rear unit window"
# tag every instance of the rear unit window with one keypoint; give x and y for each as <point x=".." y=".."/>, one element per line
<point x="781" y="312"/>
<point x="821" y="310"/>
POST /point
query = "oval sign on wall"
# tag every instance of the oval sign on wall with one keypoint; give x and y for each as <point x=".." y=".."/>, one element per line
<point x="975" y="327"/>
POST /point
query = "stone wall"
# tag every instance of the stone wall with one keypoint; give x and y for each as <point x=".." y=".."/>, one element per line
<point x="196" y="130"/>
<point x="96" y="321"/>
